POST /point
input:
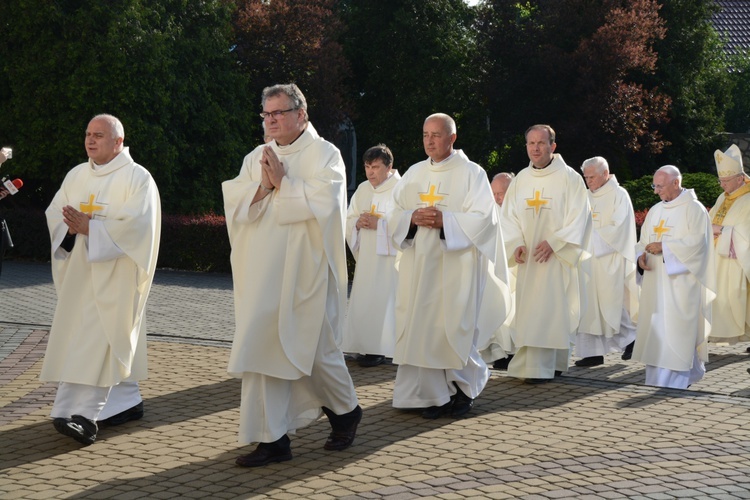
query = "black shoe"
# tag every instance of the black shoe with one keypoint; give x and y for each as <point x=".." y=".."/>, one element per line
<point x="747" y="350"/>
<point x="462" y="404"/>
<point x="536" y="380"/>
<point x="590" y="361"/>
<point x="628" y="352"/>
<point x="434" y="412"/>
<point x="266" y="453"/>
<point x="370" y="360"/>
<point x="502" y="363"/>
<point x="558" y="373"/>
<point x="78" y="427"/>
<point x="134" y="413"/>
<point x="343" y="428"/>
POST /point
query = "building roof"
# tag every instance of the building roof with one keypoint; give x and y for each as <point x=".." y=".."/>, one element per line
<point x="733" y="24"/>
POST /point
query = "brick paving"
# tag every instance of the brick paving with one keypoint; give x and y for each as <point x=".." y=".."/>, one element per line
<point x="592" y="433"/>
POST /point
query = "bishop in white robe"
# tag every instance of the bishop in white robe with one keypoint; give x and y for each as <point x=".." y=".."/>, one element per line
<point x="371" y="316"/>
<point x="546" y="225"/>
<point x="104" y="225"/>
<point x="444" y="223"/>
<point x="676" y="256"/>
<point x="730" y="218"/>
<point x="285" y="215"/>
<point x="611" y="299"/>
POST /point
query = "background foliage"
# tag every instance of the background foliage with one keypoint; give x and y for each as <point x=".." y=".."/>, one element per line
<point x="164" y="68"/>
<point x="641" y="82"/>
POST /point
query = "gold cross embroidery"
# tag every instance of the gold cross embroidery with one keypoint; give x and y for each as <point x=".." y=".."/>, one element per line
<point x="89" y="208"/>
<point x="374" y="211"/>
<point x="430" y="198"/>
<point x="660" y="230"/>
<point x="537" y="203"/>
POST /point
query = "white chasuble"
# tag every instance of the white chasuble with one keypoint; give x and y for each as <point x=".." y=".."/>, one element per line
<point x="98" y="336"/>
<point x="730" y="319"/>
<point x="547" y="204"/>
<point x="610" y="271"/>
<point x="500" y="344"/>
<point x="675" y="315"/>
<point x="371" y="316"/>
<point x="443" y="283"/>
<point x="288" y="258"/>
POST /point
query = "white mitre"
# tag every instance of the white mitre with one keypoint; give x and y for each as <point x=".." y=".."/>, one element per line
<point x="728" y="163"/>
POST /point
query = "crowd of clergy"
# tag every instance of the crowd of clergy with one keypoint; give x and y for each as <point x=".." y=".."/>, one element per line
<point x="454" y="274"/>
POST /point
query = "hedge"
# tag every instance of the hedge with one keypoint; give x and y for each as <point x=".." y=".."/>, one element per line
<point x="201" y="243"/>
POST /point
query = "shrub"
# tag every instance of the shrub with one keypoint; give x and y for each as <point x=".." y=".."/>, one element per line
<point x="194" y="243"/>
<point x="28" y="229"/>
<point x="198" y="243"/>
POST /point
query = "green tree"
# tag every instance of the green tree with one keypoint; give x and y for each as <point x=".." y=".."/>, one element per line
<point x="285" y="41"/>
<point x="692" y="70"/>
<point x="164" y="68"/>
<point x="738" y="114"/>
<point x="412" y="58"/>
<point x="579" y="66"/>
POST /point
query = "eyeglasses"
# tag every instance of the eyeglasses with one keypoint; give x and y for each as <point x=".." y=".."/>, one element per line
<point x="656" y="187"/>
<point x="275" y="114"/>
<point x="727" y="179"/>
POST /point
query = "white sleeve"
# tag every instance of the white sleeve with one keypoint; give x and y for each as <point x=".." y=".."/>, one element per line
<point x="455" y="238"/>
<point x="101" y="246"/>
<point x="672" y="263"/>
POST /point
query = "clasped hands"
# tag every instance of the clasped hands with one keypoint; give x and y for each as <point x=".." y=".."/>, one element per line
<point x="77" y="222"/>
<point x="271" y="169"/>
<point x="542" y="253"/>
<point x="367" y="221"/>
<point x="427" y="217"/>
<point x="651" y="248"/>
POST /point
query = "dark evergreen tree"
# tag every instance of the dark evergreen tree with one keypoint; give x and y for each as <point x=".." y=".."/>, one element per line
<point x="164" y="68"/>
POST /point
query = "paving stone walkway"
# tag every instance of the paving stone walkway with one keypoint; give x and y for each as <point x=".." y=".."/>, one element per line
<point x="592" y="433"/>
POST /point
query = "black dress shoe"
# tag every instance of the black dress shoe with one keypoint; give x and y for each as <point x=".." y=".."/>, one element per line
<point x="558" y="373"/>
<point x="462" y="404"/>
<point x="78" y="427"/>
<point x="502" y="363"/>
<point x="536" y="380"/>
<point x="590" y="361"/>
<point x="133" y="413"/>
<point x="343" y="429"/>
<point x="370" y="360"/>
<point x="747" y="350"/>
<point x="434" y="412"/>
<point x="628" y="352"/>
<point x="266" y="453"/>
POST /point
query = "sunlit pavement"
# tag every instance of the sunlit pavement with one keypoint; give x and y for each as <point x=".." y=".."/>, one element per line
<point x="592" y="433"/>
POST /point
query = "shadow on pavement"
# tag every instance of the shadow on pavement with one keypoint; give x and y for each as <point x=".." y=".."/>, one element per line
<point x="175" y="407"/>
<point x="381" y="428"/>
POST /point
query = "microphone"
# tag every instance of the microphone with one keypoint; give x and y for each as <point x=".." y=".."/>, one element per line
<point x="13" y="186"/>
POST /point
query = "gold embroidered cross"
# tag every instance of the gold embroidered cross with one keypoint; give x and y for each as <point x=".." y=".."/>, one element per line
<point x="430" y="198"/>
<point x="89" y="208"/>
<point x="537" y="203"/>
<point x="660" y="230"/>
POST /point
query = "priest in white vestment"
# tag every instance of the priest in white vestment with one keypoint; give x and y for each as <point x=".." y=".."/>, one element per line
<point x="611" y="299"/>
<point x="371" y="316"/>
<point x="730" y="218"/>
<point x="452" y="266"/>
<point x="546" y="225"/>
<point x="104" y="224"/>
<point x="499" y="349"/>
<point x="286" y="215"/>
<point x="676" y="258"/>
